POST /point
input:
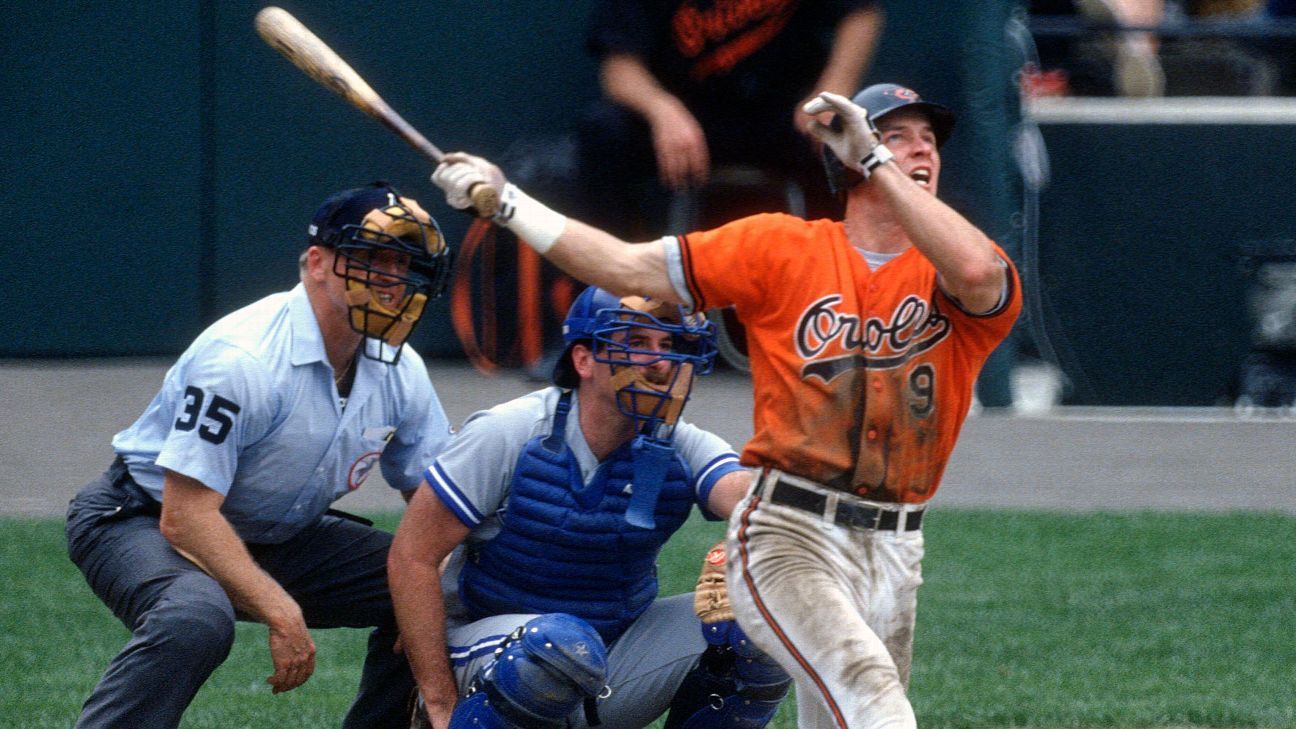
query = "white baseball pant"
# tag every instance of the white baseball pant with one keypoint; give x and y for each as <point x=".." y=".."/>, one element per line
<point x="833" y="604"/>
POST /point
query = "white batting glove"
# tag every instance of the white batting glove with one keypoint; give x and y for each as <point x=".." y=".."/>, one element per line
<point x="533" y="222"/>
<point x="459" y="172"/>
<point x="856" y="142"/>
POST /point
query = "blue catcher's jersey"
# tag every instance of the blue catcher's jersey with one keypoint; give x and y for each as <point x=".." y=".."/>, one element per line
<point x="548" y="526"/>
<point x="556" y="523"/>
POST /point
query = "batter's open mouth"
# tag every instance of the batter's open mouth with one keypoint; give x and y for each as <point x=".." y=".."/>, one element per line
<point x="921" y="176"/>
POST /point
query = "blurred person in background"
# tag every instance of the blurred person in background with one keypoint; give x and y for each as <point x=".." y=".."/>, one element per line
<point x="1130" y="63"/>
<point x="689" y="85"/>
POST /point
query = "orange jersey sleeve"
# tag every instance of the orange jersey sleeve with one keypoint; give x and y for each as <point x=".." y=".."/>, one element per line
<point x="862" y="379"/>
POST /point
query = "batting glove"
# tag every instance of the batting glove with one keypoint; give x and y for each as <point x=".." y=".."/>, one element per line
<point x="852" y="135"/>
<point x="533" y="222"/>
<point x="458" y="173"/>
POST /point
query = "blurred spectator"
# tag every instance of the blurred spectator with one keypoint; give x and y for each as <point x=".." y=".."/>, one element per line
<point x="1136" y="70"/>
<point x="1223" y="64"/>
<point x="688" y="85"/>
<point x="1128" y="65"/>
<point x="1180" y="60"/>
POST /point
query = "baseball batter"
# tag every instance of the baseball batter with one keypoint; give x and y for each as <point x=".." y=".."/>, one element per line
<point x="866" y="336"/>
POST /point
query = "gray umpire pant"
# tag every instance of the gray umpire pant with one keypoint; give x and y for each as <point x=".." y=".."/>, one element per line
<point x="182" y="622"/>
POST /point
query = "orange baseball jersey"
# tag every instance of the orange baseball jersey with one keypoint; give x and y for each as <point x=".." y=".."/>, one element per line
<point x="862" y="378"/>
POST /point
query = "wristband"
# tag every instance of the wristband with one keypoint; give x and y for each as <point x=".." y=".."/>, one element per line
<point x="880" y="155"/>
<point x="532" y="221"/>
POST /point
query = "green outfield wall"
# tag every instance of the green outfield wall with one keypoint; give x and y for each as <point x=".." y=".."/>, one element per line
<point x="160" y="162"/>
<point x="1142" y="225"/>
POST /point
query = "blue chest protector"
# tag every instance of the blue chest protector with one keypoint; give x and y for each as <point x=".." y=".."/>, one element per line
<point x="565" y="547"/>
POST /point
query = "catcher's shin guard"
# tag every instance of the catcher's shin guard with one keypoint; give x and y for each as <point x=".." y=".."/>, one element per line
<point x="540" y="675"/>
<point x="734" y="686"/>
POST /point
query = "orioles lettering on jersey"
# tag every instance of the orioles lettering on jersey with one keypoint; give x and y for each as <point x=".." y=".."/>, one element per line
<point x="914" y="328"/>
<point x="863" y="377"/>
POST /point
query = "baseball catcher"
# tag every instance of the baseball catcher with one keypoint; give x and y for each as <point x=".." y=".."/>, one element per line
<point x="553" y="508"/>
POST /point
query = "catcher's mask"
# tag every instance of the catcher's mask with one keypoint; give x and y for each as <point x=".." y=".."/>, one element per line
<point x="879" y="100"/>
<point x="391" y="254"/>
<point x="610" y="327"/>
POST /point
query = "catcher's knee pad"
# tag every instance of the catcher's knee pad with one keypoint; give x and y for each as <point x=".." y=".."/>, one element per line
<point x="757" y="671"/>
<point x="735" y="685"/>
<point x="540" y="674"/>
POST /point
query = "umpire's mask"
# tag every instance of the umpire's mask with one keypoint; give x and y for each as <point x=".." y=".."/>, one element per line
<point x="393" y="257"/>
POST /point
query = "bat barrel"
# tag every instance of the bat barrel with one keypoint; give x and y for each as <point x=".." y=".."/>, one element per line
<point x="298" y="44"/>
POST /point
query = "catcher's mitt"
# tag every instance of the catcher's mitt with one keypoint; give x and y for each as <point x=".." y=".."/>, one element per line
<point x="710" y="598"/>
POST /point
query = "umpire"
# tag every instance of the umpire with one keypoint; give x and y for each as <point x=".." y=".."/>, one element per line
<point x="217" y="505"/>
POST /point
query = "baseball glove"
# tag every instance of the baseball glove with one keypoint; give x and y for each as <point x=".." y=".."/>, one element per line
<point x="710" y="598"/>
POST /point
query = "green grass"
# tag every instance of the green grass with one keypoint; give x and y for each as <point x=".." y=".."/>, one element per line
<point x="1025" y="620"/>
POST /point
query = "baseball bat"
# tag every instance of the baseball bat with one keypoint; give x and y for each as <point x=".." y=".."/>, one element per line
<point x="298" y="44"/>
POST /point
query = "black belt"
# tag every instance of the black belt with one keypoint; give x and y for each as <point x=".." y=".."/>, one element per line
<point x="141" y="501"/>
<point x="848" y="514"/>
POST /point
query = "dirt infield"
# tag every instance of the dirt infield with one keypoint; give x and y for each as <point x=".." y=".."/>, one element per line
<point x="58" y="416"/>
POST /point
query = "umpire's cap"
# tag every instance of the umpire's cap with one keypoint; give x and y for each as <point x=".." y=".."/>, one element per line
<point x="348" y="207"/>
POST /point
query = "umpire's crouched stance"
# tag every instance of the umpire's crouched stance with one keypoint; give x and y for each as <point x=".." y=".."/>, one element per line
<point x="216" y="507"/>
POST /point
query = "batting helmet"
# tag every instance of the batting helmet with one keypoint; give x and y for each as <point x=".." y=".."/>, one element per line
<point x="880" y="100"/>
<point x="361" y="225"/>
<point x="602" y="321"/>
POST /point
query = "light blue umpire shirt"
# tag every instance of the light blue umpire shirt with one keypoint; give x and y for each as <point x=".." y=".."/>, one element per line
<point x="251" y="410"/>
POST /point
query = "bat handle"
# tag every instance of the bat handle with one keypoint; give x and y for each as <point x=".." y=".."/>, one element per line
<point x="485" y="199"/>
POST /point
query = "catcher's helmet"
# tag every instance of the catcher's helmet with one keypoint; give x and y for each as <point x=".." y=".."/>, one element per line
<point x="603" y="321"/>
<point x="880" y="100"/>
<point x="363" y="223"/>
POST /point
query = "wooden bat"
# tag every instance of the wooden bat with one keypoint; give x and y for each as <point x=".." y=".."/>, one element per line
<point x="298" y="44"/>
